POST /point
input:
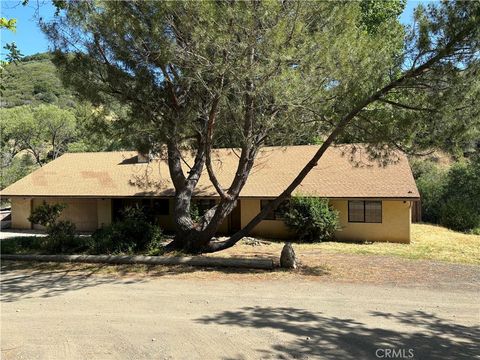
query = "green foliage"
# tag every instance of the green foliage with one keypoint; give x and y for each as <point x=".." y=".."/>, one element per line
<point x="195" y="212"/>
<point x="19" y="167"/>
<point x="61" y="233"/>
<point x="294" y="36"/>
<point x="23" y="245"/>
<point x="431" y="180"/>
<point x="34" y="81"/>
<point x="44" y="131"/>
<point x="61" y="237"/>
<point x="461" y="207"/>
<point x="43" y="245"/>
<point x="46" y="214"/>
<point x="376" y="13"/>
<point x="134" y="233"/>
<point x="450" y="197"/>
<point x="458" y="215"/>
<point x="9" y="24"/>
<point x="312" y="219"/>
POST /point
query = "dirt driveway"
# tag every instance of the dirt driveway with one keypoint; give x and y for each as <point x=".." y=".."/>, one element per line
<point x="58" y="313"/>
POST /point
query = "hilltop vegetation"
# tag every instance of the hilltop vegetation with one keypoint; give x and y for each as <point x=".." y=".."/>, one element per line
<point x="34" y="81"/>
<point x="42" y="119"/>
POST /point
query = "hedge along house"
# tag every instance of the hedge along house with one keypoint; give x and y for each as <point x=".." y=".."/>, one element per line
<point x="374" y="202"/>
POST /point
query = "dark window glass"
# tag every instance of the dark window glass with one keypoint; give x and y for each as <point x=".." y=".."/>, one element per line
<point x="373" y="211"/>
<point x="271" y="214"/>
<point x="365" y="211"/>
<point x="161" y="206"/>
<point x="356" y="211"/>
<point x="278" y="213"/>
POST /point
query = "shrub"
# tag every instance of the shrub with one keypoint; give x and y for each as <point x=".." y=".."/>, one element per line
<point x="61" y="237"/>
<point x="431" y="181"/>
<point x="132" y="234"/>
<point x="46" y="214"/>
<point x="312" y="219"/>
<point x="450" y="198"/>
<point x="61" y="233"/>
<point x="456" y="214"/>
<point x="461" y="199"/>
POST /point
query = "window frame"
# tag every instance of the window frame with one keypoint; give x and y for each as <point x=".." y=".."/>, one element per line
<point x="364" y="212"/>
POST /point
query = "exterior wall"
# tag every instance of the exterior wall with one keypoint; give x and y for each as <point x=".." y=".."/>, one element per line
<point x="104" y="212"/>
<point x="82" y="212"/>
<point x="266" y="228"/>
<point x="395" y="225"/>
<point x="21" y="209"/>
<point x="89" y="214"/>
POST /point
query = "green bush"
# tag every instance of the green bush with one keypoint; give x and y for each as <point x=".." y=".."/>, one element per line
<point x="450" y="197"/>
<point x="134" y="233"/>
<point x="460" y="209"/>
<point x="61" y="233"/>
<point x="61" y="237"/>
<point x="311" y="219"/>
<point x="431" y="181"/>
<point x="46" y="214"/>
<point x="22" y="245"/>
<point x="456" y="214"/>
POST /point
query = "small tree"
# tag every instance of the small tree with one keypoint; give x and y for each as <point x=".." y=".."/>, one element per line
<point x="60" y="232"/>
<point x="46" y="214"/>
<point x="312" y="219"/>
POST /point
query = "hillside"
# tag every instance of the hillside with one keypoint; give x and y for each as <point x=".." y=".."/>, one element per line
<point x="34" y="81"/>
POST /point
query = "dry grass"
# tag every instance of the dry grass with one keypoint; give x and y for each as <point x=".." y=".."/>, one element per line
<point x="429" y="242"/>
<point x="378" y="263"/>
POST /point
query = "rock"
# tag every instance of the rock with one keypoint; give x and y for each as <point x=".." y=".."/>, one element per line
<point x="288" y="259"/>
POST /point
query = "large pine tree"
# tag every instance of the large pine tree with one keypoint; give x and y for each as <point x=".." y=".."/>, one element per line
<point x="190" y="75"/>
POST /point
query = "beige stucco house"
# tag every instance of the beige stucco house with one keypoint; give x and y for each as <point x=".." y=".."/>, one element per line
<point x="374" y="201"/>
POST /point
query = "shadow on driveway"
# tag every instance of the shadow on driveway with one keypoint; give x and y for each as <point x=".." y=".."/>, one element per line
<point x="44" y="281"/>
<point x="23" y="280"/>
<point x="324" y="337"/>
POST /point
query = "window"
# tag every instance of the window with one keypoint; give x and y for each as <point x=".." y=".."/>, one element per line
<point x="277" y="214"/>
<point x="365" y="211"/>
<point x="161" y="206"/>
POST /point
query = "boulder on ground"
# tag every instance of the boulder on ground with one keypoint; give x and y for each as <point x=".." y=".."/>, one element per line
<point x="288" y="259"/>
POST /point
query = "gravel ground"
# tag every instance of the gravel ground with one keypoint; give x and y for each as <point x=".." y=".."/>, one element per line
<point x="53" y="312"/>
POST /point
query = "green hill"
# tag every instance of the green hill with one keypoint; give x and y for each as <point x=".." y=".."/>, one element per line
<point x="34" y="81"/>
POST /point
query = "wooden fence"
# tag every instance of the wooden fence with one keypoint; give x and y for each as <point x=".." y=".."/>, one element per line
<point x="416" y="211"/>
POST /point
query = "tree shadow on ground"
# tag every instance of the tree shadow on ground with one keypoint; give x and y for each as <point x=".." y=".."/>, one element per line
<point x="23" y="280"/>
<point x="319" y="336"/>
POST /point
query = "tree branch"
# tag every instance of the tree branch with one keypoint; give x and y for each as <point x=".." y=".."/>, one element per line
<point x="344" y="121"/>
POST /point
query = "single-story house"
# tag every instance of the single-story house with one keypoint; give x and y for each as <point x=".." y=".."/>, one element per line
<point x="374" y="202"/>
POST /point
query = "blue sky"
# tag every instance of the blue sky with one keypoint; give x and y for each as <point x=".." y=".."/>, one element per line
<point x="30" y="39"/>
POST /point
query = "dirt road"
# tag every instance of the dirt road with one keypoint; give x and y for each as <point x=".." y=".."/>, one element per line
<point x="59" y="315"/>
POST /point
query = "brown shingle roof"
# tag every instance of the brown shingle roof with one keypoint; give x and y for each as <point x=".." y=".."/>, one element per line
<point x="116" y="174"/>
